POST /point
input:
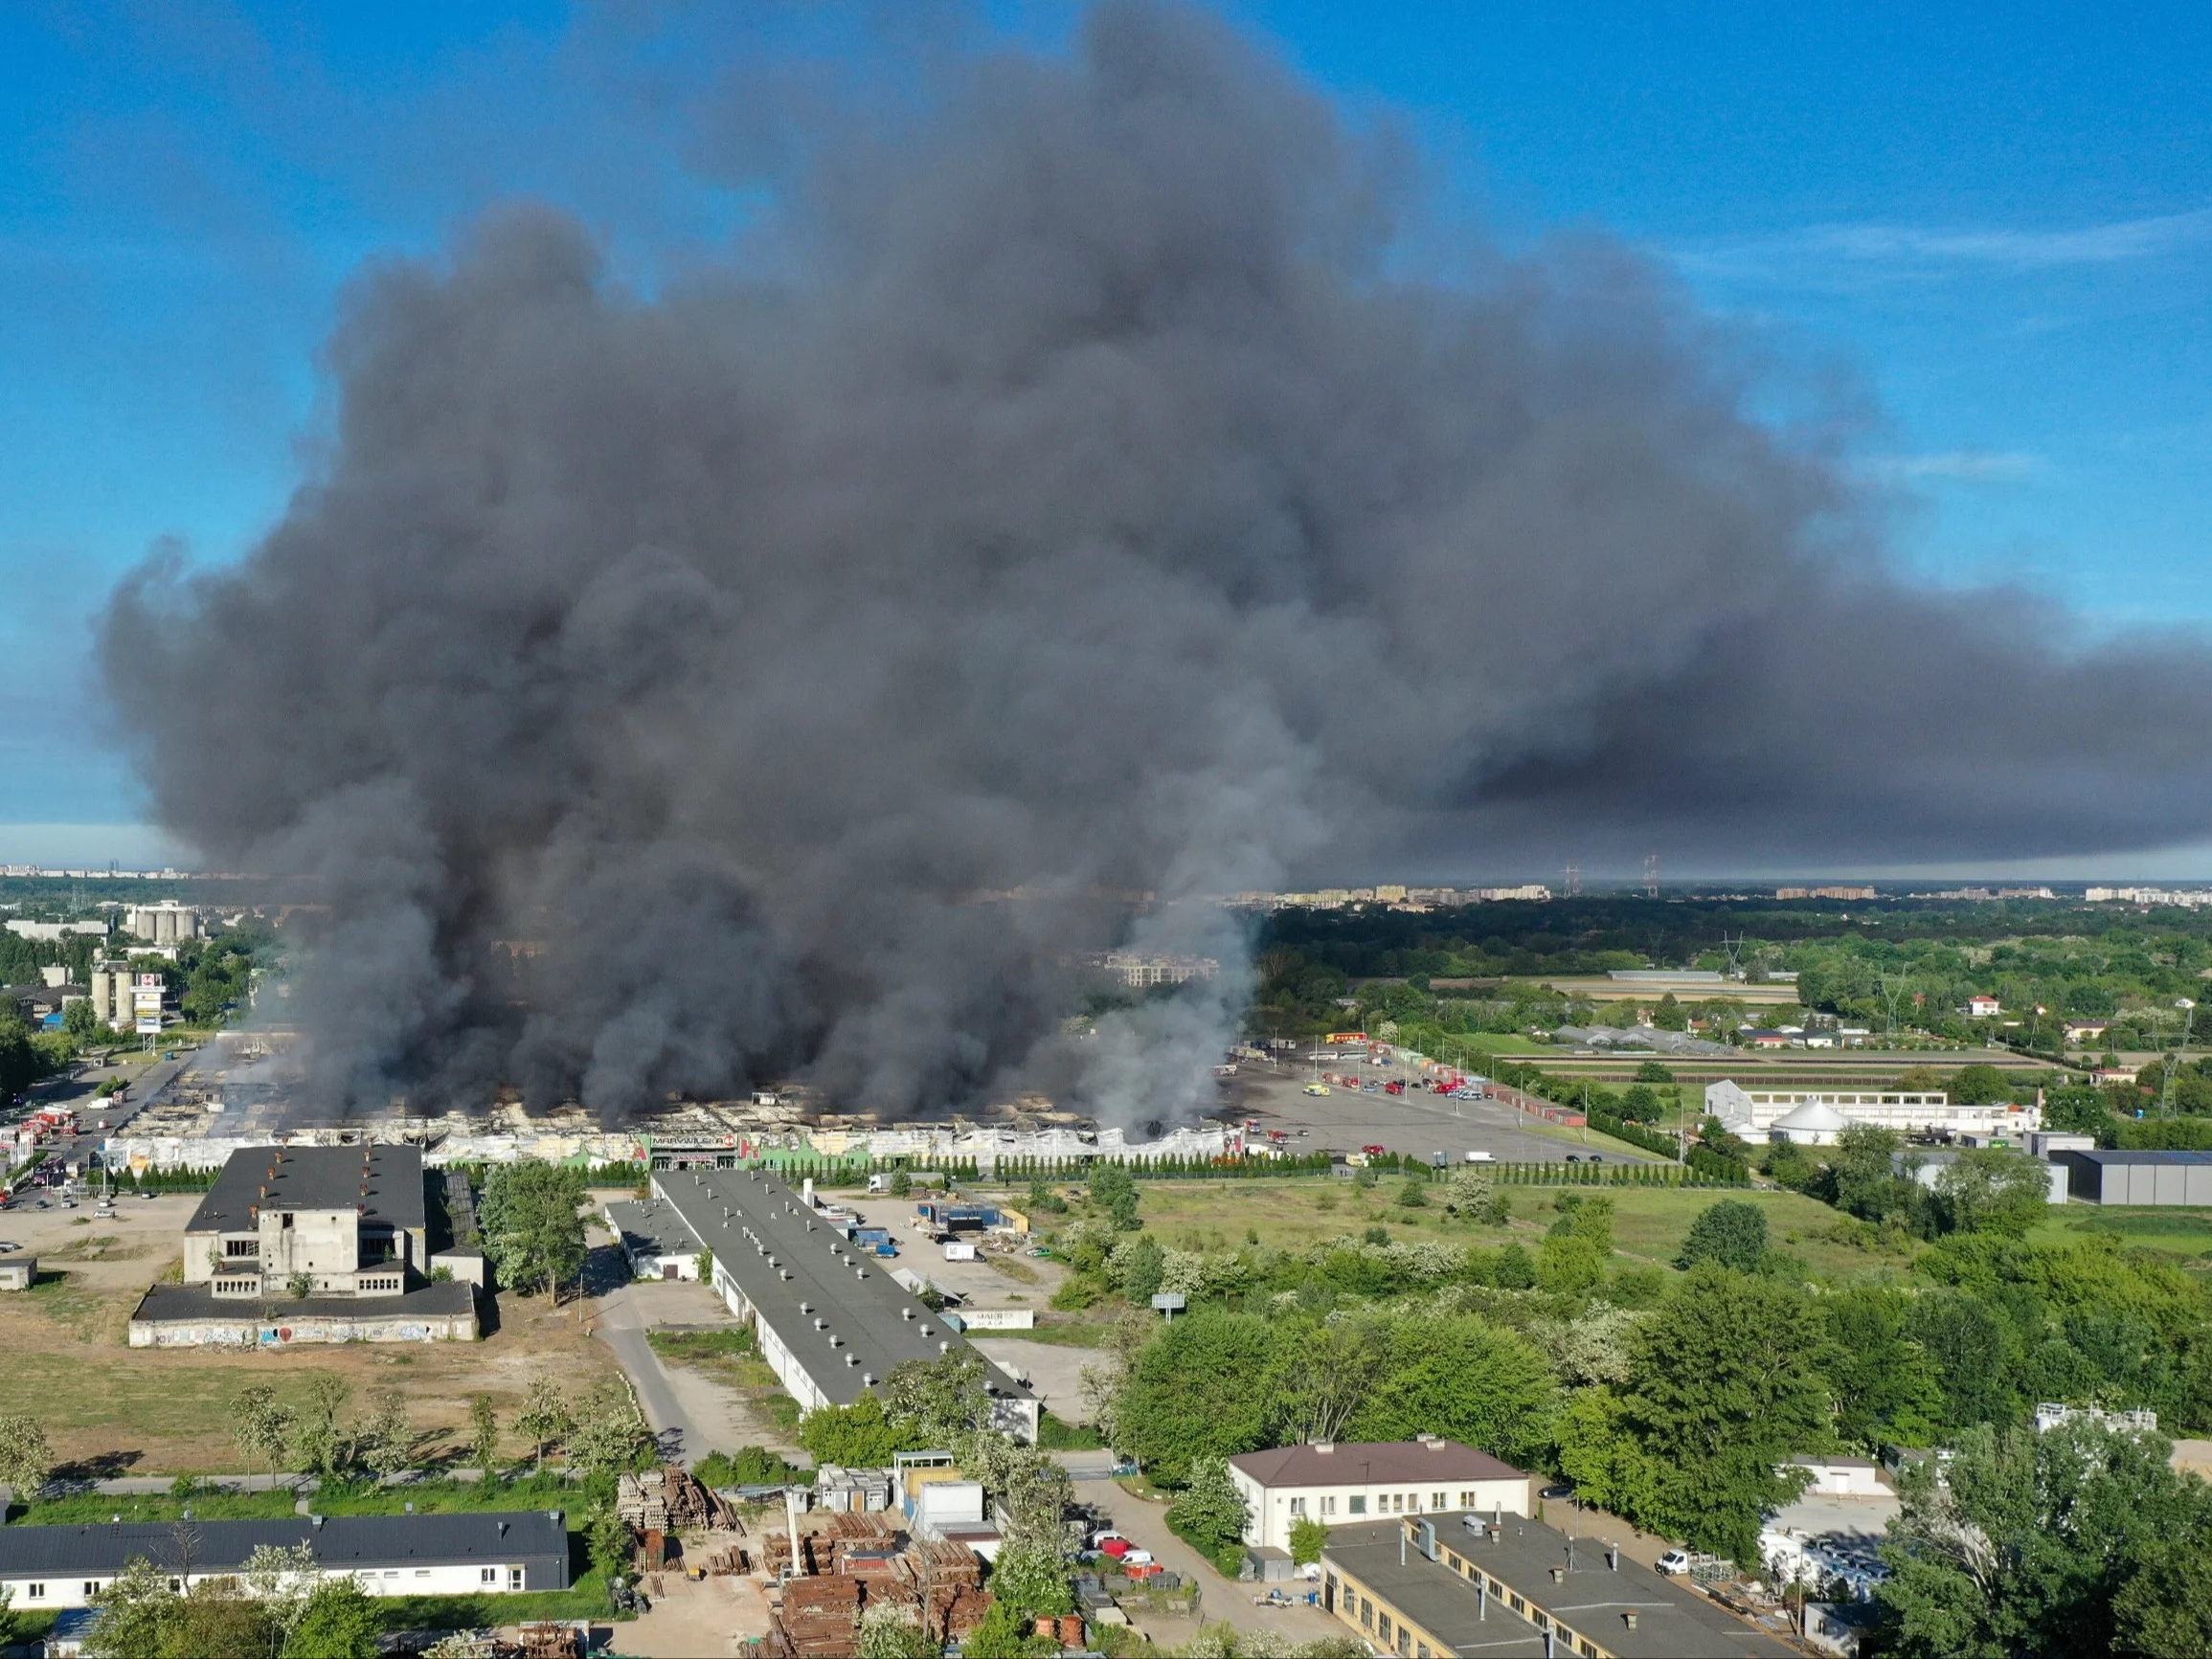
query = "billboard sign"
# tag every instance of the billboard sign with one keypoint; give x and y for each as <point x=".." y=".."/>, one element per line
<point x="150" y="1025"/>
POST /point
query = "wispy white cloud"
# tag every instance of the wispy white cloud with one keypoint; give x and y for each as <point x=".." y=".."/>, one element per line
<point x="1963" y="466"/>
<point x="1861" y="252"/>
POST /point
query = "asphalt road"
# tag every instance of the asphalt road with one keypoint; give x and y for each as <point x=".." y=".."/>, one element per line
<point x="623" y="1328"/>
<point x="1415" y="1124"/>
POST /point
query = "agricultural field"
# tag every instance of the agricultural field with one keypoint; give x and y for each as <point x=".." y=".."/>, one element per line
<point x="109" y="1408"/>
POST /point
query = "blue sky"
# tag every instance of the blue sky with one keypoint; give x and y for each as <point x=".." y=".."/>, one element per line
<point x="1984" y="234"/>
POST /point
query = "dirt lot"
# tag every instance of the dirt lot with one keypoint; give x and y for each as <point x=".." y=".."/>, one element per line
<point x="113" y="1409"/>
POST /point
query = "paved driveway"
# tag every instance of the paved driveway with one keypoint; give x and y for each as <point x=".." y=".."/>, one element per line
<point x="621" y="1327"/>
<point x="1219" y="1599"/>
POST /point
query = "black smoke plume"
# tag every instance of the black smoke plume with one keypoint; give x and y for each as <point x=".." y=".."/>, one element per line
<point x="1066" y="491"/>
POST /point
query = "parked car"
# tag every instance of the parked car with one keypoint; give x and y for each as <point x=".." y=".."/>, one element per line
<point x="1317" y="1088"/>
<point x="1674" y="1562"/>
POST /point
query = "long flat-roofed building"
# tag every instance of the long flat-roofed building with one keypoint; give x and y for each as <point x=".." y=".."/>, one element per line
<point x="831" y="1321"/>
<point x="1753" y="1111"/>
<point x="50" y="1568"/>
<point x="1513" y="1588"/>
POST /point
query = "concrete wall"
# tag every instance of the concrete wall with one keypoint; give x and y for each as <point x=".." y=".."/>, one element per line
<point x="254" y="1331"/>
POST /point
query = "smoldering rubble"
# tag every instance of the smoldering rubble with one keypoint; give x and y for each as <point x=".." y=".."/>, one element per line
<point x="1069" y="491"/>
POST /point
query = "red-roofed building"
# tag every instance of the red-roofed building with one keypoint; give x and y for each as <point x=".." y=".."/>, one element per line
<point x="1363" y="1480"/>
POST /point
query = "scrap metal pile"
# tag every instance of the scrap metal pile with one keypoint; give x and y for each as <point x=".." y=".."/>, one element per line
<point x="856" y="1561"/>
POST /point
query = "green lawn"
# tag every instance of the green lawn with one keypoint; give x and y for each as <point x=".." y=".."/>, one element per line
<point x="79" y="1509"/>
<point x="2185" y="1234"/>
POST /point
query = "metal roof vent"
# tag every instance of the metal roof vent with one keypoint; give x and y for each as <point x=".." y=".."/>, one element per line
<point x="905" y="1314"/>
<point x="835" y="1340"/>
<point x="806" y="1306"/>
<point x="852" y="1360"/>
<point x="821" y="1324"/>
<point x="945" y="1347"/>
<point x="867" y="1380"/>
<point x="783" y="1272"/>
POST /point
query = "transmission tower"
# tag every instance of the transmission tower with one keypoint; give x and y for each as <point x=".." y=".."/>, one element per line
<point x="1574" y="879"/>
<point x="1651" y="875"/>
<point x="1735" y="949"/>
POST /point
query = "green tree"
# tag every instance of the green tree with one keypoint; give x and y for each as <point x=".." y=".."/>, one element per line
<point x="340" y="1622"/>
<point x="1003" y="1634"/>
<point x="484" y="1435"/>
<point x="546" y="1417"/>
<point x="1979" y="1086"/>
<point x="260" y="1426"/>
<point x="137" y="1612"/>
<point x="82" y="1021"/>
<point x="608" y="1540"/>
<point x="1032" y="1581"/>
<point x="1138" y="1266"/>
<point x="325" y="1443"/>
<point x="1191" y="1393"/>
<point x="901" y="1184"/>
<point x="386" y="1441"/>
<point x="940" y="1401"/>
<point x="1568" y="1265"/>
<point x="1415" y="1193"/>
<point x="2078" y="1110"/>
<point x="2165" y="1609"/>
<point x="532" y="1227"/>
<point x="858" y="1436"/>
<point x="890" y="1631"/>
<point x="1992" y="1189"/>
<point x="25" y="1462"/>
<point x="1308" y="1539"/>
<point x="2024" y="1543"/>
<point x="1731" y="1232"/>
<point x="1640" y="1104"/>
<point x="281" y="1578"/>
<point x="1211" y="1512"/>
<point x="1460" y="1377"/>
<point x="611" y="1434"/>
<point x="1887" y="1388"/>
<point x="1724" y="1393"/>
<point x="1515" y="1271"/>
<point x="1472" y="1195"/>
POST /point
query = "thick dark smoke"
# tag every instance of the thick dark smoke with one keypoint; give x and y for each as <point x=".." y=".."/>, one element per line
<point x="1064" y="493"/>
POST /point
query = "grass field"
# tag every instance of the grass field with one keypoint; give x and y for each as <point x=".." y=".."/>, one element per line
<point x="2184" y="1234"/>
<point x="108" y="1408"/>
<point x="1649" y="1222"/>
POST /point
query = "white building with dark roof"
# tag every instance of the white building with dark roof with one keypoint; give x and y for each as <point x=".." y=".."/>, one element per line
<point x="52" y="1568"/>
<point x="1335" y="1482"/>
<point x="832" y="1321"/>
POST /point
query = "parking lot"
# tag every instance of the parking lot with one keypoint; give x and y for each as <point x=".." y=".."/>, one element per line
<point x="1417" y="1124"/>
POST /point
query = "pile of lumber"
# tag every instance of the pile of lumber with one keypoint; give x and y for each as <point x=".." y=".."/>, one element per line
<point x="818" y="1617"/>
<point x="857" y="1564"/>
<point x="669" y="1499"/>
<point x="729" y="1563"/>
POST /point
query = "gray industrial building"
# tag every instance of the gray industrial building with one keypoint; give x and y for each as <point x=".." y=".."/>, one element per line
<point x="832" y="1320"/>
<point x="2137" y="1177"/>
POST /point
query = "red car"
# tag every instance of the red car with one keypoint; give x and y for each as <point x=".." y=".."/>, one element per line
<point x="1372" y="1150"/>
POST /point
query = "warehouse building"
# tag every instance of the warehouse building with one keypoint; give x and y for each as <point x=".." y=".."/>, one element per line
<point x="2137" y="1177"/>
<point x="1454" y="1585"/>
<point x="1336" y="1483"/>
<point x="50" y="1568"/>
<point x="832" y="1322"/>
